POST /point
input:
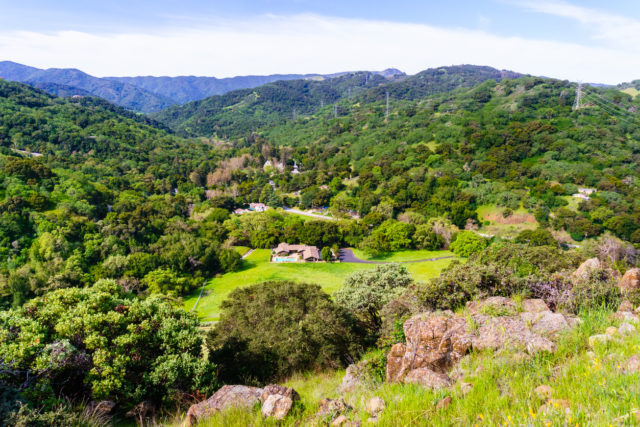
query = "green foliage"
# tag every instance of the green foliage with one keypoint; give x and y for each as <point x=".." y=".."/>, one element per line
<point x="365" y="292"/>
<point x="390" y="236"/>
<point x="537" y="237"/>
<point x="468" y="243"/>
<point x="269" y="330"/>
<point x="325" y="254"/>
<point x="502" y="269"/>
<point x="100" y="343"/>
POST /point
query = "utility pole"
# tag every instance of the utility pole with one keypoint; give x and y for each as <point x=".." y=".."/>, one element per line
<point x="578" y="102"/>
<point x="335" y="111"/>
<point x="386" y="113"/>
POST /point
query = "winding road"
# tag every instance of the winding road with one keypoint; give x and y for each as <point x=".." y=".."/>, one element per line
<point x="347" y="255"/>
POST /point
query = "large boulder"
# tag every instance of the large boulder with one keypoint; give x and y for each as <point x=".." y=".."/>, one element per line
<point x="428" y="378"/>
<point x="332" y="408"/>
<point x="435" y="342"/>
<point x="586" y="269"/>
<point x="277" y="401"/>
<point x="227" y="397"/>
<point x="630" y="282"/>
<point x="276" y="406"/>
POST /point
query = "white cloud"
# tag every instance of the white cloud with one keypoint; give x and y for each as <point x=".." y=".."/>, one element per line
<point x="619" y="30"/>
<point x="310" y="44"/>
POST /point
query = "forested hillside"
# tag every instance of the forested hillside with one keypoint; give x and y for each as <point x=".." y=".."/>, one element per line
<point x="239" y="112"/>
<point x="69" y="82"/>
<point x="515" y="143"/>
<point x="110" y="221"/>
<point x="105" y="186"/>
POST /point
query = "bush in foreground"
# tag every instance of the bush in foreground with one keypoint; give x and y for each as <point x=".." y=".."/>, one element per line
<point x="272" y="329"/>
<point x="100" y="343"/>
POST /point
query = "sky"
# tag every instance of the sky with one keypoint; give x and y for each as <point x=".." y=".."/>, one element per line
<point x="590" y="41"/>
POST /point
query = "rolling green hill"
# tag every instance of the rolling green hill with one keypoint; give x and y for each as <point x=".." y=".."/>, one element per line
<point x="240" y="112"/>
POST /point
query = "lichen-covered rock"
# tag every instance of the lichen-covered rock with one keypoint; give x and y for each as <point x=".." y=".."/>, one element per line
<point x="228" y="396"/>
<point x="544" y="392"/>
<point x="276" y="406"/>
<point x="277" y="401"/>
<point x="626" y="328"/>
<point x="279" y="389"/>
<point x="586" y="269"/>
<point x="599" y="339"/>
<point x="435" y="342"/>
<point x="625" y="306"/>
<point x="375" y="405"/>
<point x="428" y="378"/>
<point x="444" y="403"/>
<point x="332" y="407"/>
<point x="632" y="365"/>
<point x="534" y="305"/>
<point x="496" y="306"/>
<point x="630" y="281"/>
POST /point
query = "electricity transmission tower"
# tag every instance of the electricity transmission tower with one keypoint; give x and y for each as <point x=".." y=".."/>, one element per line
<point x="578" y="102"/>
<point x="386" y="113"/>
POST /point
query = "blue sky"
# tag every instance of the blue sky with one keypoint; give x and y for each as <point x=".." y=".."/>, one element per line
<point x="580" y="40"/>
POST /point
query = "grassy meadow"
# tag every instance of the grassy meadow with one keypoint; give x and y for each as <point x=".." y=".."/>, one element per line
<point x="593" y="386"/>
<point x="330" y="276"/>
<point x="508" y="227"/>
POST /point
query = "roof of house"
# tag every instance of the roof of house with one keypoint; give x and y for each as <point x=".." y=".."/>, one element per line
<point x="306" y="250"/>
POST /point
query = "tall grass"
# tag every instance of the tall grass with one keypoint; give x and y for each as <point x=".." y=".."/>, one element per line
<point x="594" y="385"/>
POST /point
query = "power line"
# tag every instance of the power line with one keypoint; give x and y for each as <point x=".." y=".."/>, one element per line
<point x="612" y="112"/>
<point x="614" y="105"/>
<point x="386" y="113"/>
<point x="578" y="102"/>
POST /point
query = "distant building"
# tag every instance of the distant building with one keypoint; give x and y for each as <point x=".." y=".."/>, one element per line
<point x="258" y="207"/>
<point x="285" y="252"/>
<point x="584" y="193"/>
<point x="295" y="170"/>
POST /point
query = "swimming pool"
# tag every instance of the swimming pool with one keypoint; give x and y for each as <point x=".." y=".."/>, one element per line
<point x="285" y="259"/>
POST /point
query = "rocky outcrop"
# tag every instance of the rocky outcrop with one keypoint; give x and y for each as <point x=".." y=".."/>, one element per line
<point x="435" y="342"/>
<point x="277" y="401"/>
<point x="332" y="408"/>
<point x="356" y="375"/>
<point x="630" y="282"/>
<point x="228" y="396"/>
<point x="375" y="406"/>
<point x="586" y="269"/>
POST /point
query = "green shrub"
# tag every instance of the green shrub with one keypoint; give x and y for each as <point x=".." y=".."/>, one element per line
<point x="100" y="343"/>
<point x="468" y="243"/>
<point x="365" y="293"/>
<point x="600" y="291"/>
<point x="269" y="330"/>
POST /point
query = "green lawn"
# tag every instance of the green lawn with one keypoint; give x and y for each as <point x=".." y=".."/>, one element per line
<point x="402" y="256"/>
<point x="330" y="276"/>
<point x="241" y="249"/>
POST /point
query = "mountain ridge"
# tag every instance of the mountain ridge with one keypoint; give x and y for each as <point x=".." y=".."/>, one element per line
<point x="148" y="94"/>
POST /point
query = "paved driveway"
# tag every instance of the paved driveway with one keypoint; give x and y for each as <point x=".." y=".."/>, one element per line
<point x="347" y="255"/>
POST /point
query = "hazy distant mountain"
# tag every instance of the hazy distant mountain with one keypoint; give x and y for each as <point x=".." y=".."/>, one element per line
<point x="185" y="89"/>
<point x="146" y="93"/>
<point x="61" y="81"/>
